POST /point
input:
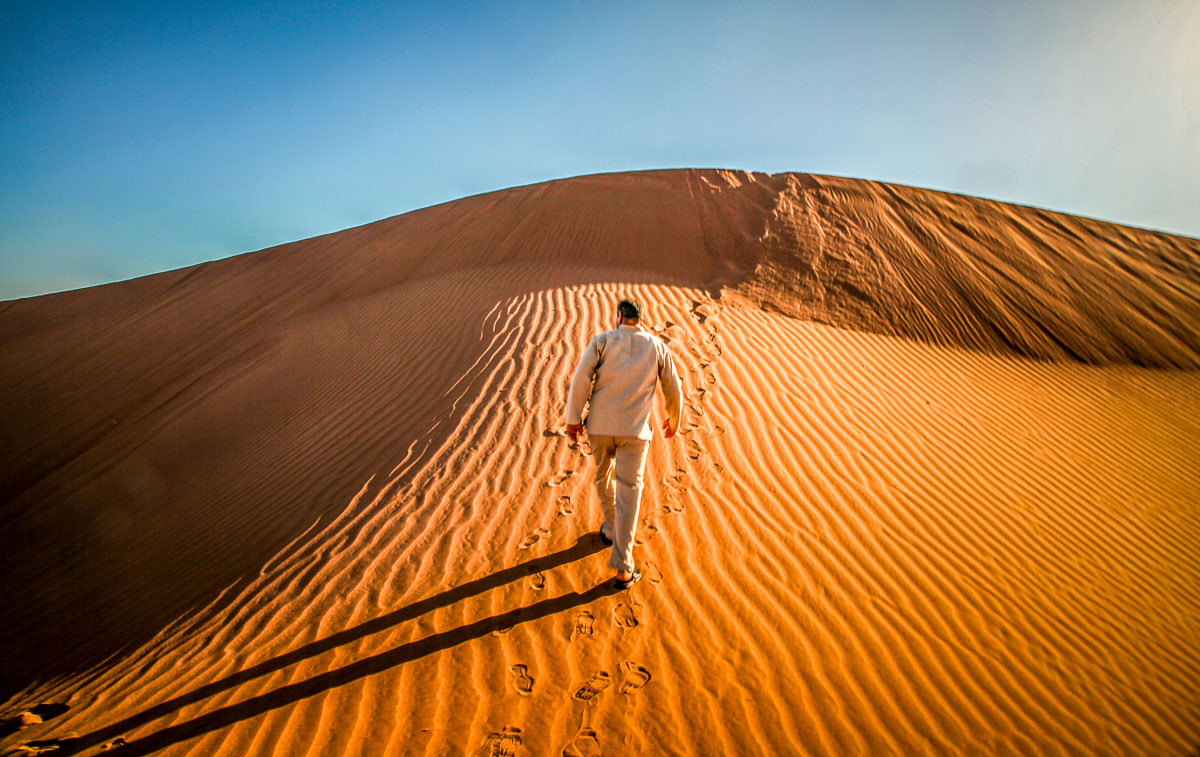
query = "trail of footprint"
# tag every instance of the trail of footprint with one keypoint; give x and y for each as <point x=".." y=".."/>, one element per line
<point x="596" y="684"/>
<point x="534" y="538"/>
<point x="635" y="678"/>
<point x="585" y="744"/>
<point x="523" y="682"/>
<point x="627" y="615"/>
<point x="503" y="743"/>
<point x="584" y="624"/>
<point x="565" y="507"/>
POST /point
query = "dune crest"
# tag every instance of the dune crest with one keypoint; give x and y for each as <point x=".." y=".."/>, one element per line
<point x="935" y="490"/>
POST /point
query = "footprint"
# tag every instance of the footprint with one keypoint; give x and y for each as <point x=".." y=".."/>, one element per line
<point x="652" y="573"/>
<point x="504" y="743"/>
<point x="564" y="505"/>
<point x="46" y="745"/>
<point x="47" y="710"/>
<point x="523" y="682"/>
<point x="584" y="624"/>
<point x="594" y="686"/>
<point x="537" y="580"/>
<point x="33" y="716"/>
<point x="647" y="532"/>
<point x="561" y="476"/>
<point x="678" y="481"/>
<point x="585" y="744"/>
<point x="499" y="629"/>
<point x="635" y="678"/>
<point x="627" y="615"/>
<point x="534" y="537"/>
<point x="114" y="744"/>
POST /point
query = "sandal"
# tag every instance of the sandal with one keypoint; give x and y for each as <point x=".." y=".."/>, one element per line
<point x="619" y="584"/>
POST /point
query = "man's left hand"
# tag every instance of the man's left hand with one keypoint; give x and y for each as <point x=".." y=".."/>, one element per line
<point x="573" y="430"/>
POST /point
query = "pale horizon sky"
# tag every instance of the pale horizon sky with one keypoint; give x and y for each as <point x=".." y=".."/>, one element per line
<point x="139" y="137"/>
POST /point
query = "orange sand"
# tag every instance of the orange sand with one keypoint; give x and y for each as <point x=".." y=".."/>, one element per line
<point x="936" y="490"/>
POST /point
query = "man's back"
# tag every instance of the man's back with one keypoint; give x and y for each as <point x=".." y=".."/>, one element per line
<point x="617" y="373"/>
<point x="625" y="363"/>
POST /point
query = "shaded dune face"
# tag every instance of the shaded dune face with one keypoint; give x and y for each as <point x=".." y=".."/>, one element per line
<point x="929" y="492"/>
<point x="964" y="271"/>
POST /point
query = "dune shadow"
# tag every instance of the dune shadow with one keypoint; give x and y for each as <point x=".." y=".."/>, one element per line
<point x="225" y="716"/>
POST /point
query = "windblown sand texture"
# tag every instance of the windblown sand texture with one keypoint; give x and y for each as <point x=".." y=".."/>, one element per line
<point x="936" y="490"/>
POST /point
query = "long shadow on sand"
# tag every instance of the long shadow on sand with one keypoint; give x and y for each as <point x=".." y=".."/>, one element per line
<point x="295" y="692"/>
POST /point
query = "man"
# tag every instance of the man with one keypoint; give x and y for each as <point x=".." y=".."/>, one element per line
<point x="617" y="372"/>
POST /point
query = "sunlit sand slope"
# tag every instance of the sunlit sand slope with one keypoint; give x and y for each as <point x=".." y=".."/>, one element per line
<point x="935" y="490"/>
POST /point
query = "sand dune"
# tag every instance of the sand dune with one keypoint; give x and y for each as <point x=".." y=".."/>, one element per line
<point x="935" y="492"/>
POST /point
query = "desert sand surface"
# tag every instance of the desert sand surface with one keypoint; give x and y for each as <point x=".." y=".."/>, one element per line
<point x="937" y="487"/>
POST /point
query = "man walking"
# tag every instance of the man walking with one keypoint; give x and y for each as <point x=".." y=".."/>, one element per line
<point x="617" y="372"/>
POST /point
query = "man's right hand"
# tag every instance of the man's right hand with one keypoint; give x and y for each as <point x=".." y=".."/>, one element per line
<point x="668" y="432"/>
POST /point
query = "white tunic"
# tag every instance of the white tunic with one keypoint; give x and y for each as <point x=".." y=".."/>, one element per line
<point x="618" y="372"/>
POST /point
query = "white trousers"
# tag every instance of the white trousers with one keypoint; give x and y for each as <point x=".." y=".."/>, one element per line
<point x="620" y="462"/>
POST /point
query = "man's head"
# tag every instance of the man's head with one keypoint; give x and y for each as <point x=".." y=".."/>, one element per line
<point x="629" y="310"/>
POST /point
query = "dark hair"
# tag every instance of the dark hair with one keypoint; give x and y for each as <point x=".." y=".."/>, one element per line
<point x="629" y="309"/>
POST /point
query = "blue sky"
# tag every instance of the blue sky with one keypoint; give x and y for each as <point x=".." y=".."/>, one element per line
<point x="143" y="136"/>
